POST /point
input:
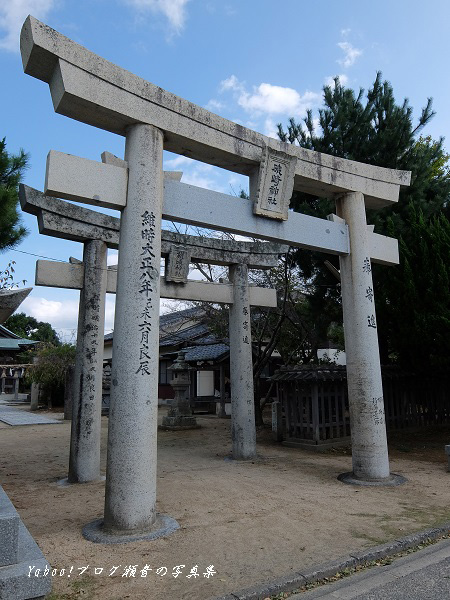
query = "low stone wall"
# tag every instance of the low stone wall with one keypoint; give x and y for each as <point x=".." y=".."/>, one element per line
<point x="19" y="556"/>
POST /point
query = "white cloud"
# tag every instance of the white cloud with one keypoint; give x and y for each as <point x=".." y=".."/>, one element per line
<point x="350" y="54"/>
<point x="63" y="316"/>
<point x="270" y="99"/>
<point x="113" y="257"/>
<point x="196" y="173"/>
<point x="270" y="129"/>
<point x="232" y="83"/>
<point x="60" y="315"/>
<point x="199" y="180"/>
<point x="174" y="10"/>
<point x="178" y="161"/>
<point x="215" y="105"/>
<point x="110" y="307"/>
<point x="12" y="15"/>
<point x="343" y="79"/>
<point x="345" y="32"/>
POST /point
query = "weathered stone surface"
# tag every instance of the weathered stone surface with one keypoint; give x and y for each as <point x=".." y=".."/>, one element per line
<point x="257" y="255"/>
<point x="69" y="229"/>
<point x="187" y="204"/>
<point x="84" y="462"/>
<point x="70" y="276"/>
<point x="33" y="202"/>
<point x="18" y="551"/>
<point x="277" y="421"/>
<point x="328" y="569"/>
<point x="101" y="184"/>
<point x="88" y="88"/>
<point x="131" y="460"/>
<point x="10" y="300"/>
<point x="34" y="401"/>
<point x="180" y="415"/>
<point x="15" y="582"/>
<point x="162" y="527"/>
<point x="275" y="184"/>
<point x="243" y="431"/>
<point x="177" y="265"/>
<point x="62" y="219"/>
<point x="393" y="480"/>
<point x="9" y="531"/>
<point x="365" y="390"/>
<point x="69" y="385"/>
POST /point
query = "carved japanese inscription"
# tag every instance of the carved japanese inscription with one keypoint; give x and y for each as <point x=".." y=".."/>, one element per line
<point x="177" y="265"/>
<point x="275" y="184"/>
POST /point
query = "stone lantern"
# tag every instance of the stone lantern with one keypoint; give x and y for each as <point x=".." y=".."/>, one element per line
<point x="180" y="414"/>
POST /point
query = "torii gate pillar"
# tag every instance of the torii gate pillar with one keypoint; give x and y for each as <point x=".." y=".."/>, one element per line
<point x="365" y="391"/>
<point x="243" y="432"/>
<point x="133" y="419"/>
<point x="85" y="435"/>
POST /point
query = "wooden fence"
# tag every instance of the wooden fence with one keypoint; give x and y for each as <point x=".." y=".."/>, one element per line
<point x="315" y="402"/>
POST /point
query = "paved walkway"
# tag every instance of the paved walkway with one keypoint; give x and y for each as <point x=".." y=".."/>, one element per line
<point x="16" y="416"/>
<point x="10" y="399"/>
<point x="423" y="575"/>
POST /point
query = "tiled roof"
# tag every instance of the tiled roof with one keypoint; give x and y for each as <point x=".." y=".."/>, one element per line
<point x="6" y="333"/>
<point x="17" y="344"/>
<point x="181" y="315"/>
<point x="170" y="320"/>
<point x="206" y="352"/>
<point x="184" y="335"/>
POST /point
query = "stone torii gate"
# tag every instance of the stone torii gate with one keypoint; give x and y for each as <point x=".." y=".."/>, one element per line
<point x="98" y="232"/>
<point x="88" y="88"/>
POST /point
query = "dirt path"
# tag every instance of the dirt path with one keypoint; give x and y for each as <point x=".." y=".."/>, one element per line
<point x="252" y="521"/>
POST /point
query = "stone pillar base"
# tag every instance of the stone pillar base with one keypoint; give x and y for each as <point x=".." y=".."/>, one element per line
<point x="179" y="422"/>
<point x="162" y="527"/>
<point x="392" y="480"/>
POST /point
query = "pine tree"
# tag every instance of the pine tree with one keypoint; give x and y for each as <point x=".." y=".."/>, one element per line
<point x="11" y="171"/>
<point x="374" y="129"/>
<point x="422" y="311"/>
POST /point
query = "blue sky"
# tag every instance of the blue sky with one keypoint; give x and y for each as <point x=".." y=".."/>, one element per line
<point x="257" y="62"/>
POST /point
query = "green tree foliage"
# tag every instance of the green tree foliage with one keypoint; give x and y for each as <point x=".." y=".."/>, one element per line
<point x="373" y="129"/>
<point x="31" y="329"/>
<point x="422" y="311"/>
<point x="50" y="369"/>
<point x="11" y="171"/>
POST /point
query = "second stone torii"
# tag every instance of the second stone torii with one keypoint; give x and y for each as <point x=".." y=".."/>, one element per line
<point x="94" y="279"/>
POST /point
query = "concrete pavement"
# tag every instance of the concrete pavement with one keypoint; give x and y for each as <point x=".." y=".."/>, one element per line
<point x="422" y="575"/>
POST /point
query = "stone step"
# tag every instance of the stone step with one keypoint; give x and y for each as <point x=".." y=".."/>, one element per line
<point x="18" y="579"/>
<point x="9" y="531"/>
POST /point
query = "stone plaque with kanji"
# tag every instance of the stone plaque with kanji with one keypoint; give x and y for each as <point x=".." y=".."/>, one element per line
<point x="177" y="265"/>
<point x="275" y="184"/>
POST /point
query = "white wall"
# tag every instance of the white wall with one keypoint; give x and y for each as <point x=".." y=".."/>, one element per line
<point x="336" y="356"/>
<point x="205" y="383"/>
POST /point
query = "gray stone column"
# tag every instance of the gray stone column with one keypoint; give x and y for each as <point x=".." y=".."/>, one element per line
<point x="277" y="421"/>
<point x="133" y="417"/>
<point x="3" y="380"/>
<point x="365" y="391"/>
<point x="34" y="401"/>
<point x="84" y="461"/>
<point x="16" y="383"/>
<point x="243" y="430"/>
<point x="69" y="384"/>
<point x="222" y="412"/>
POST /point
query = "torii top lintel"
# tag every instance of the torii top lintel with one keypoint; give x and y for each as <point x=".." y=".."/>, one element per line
<point x="88" y="88"/>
